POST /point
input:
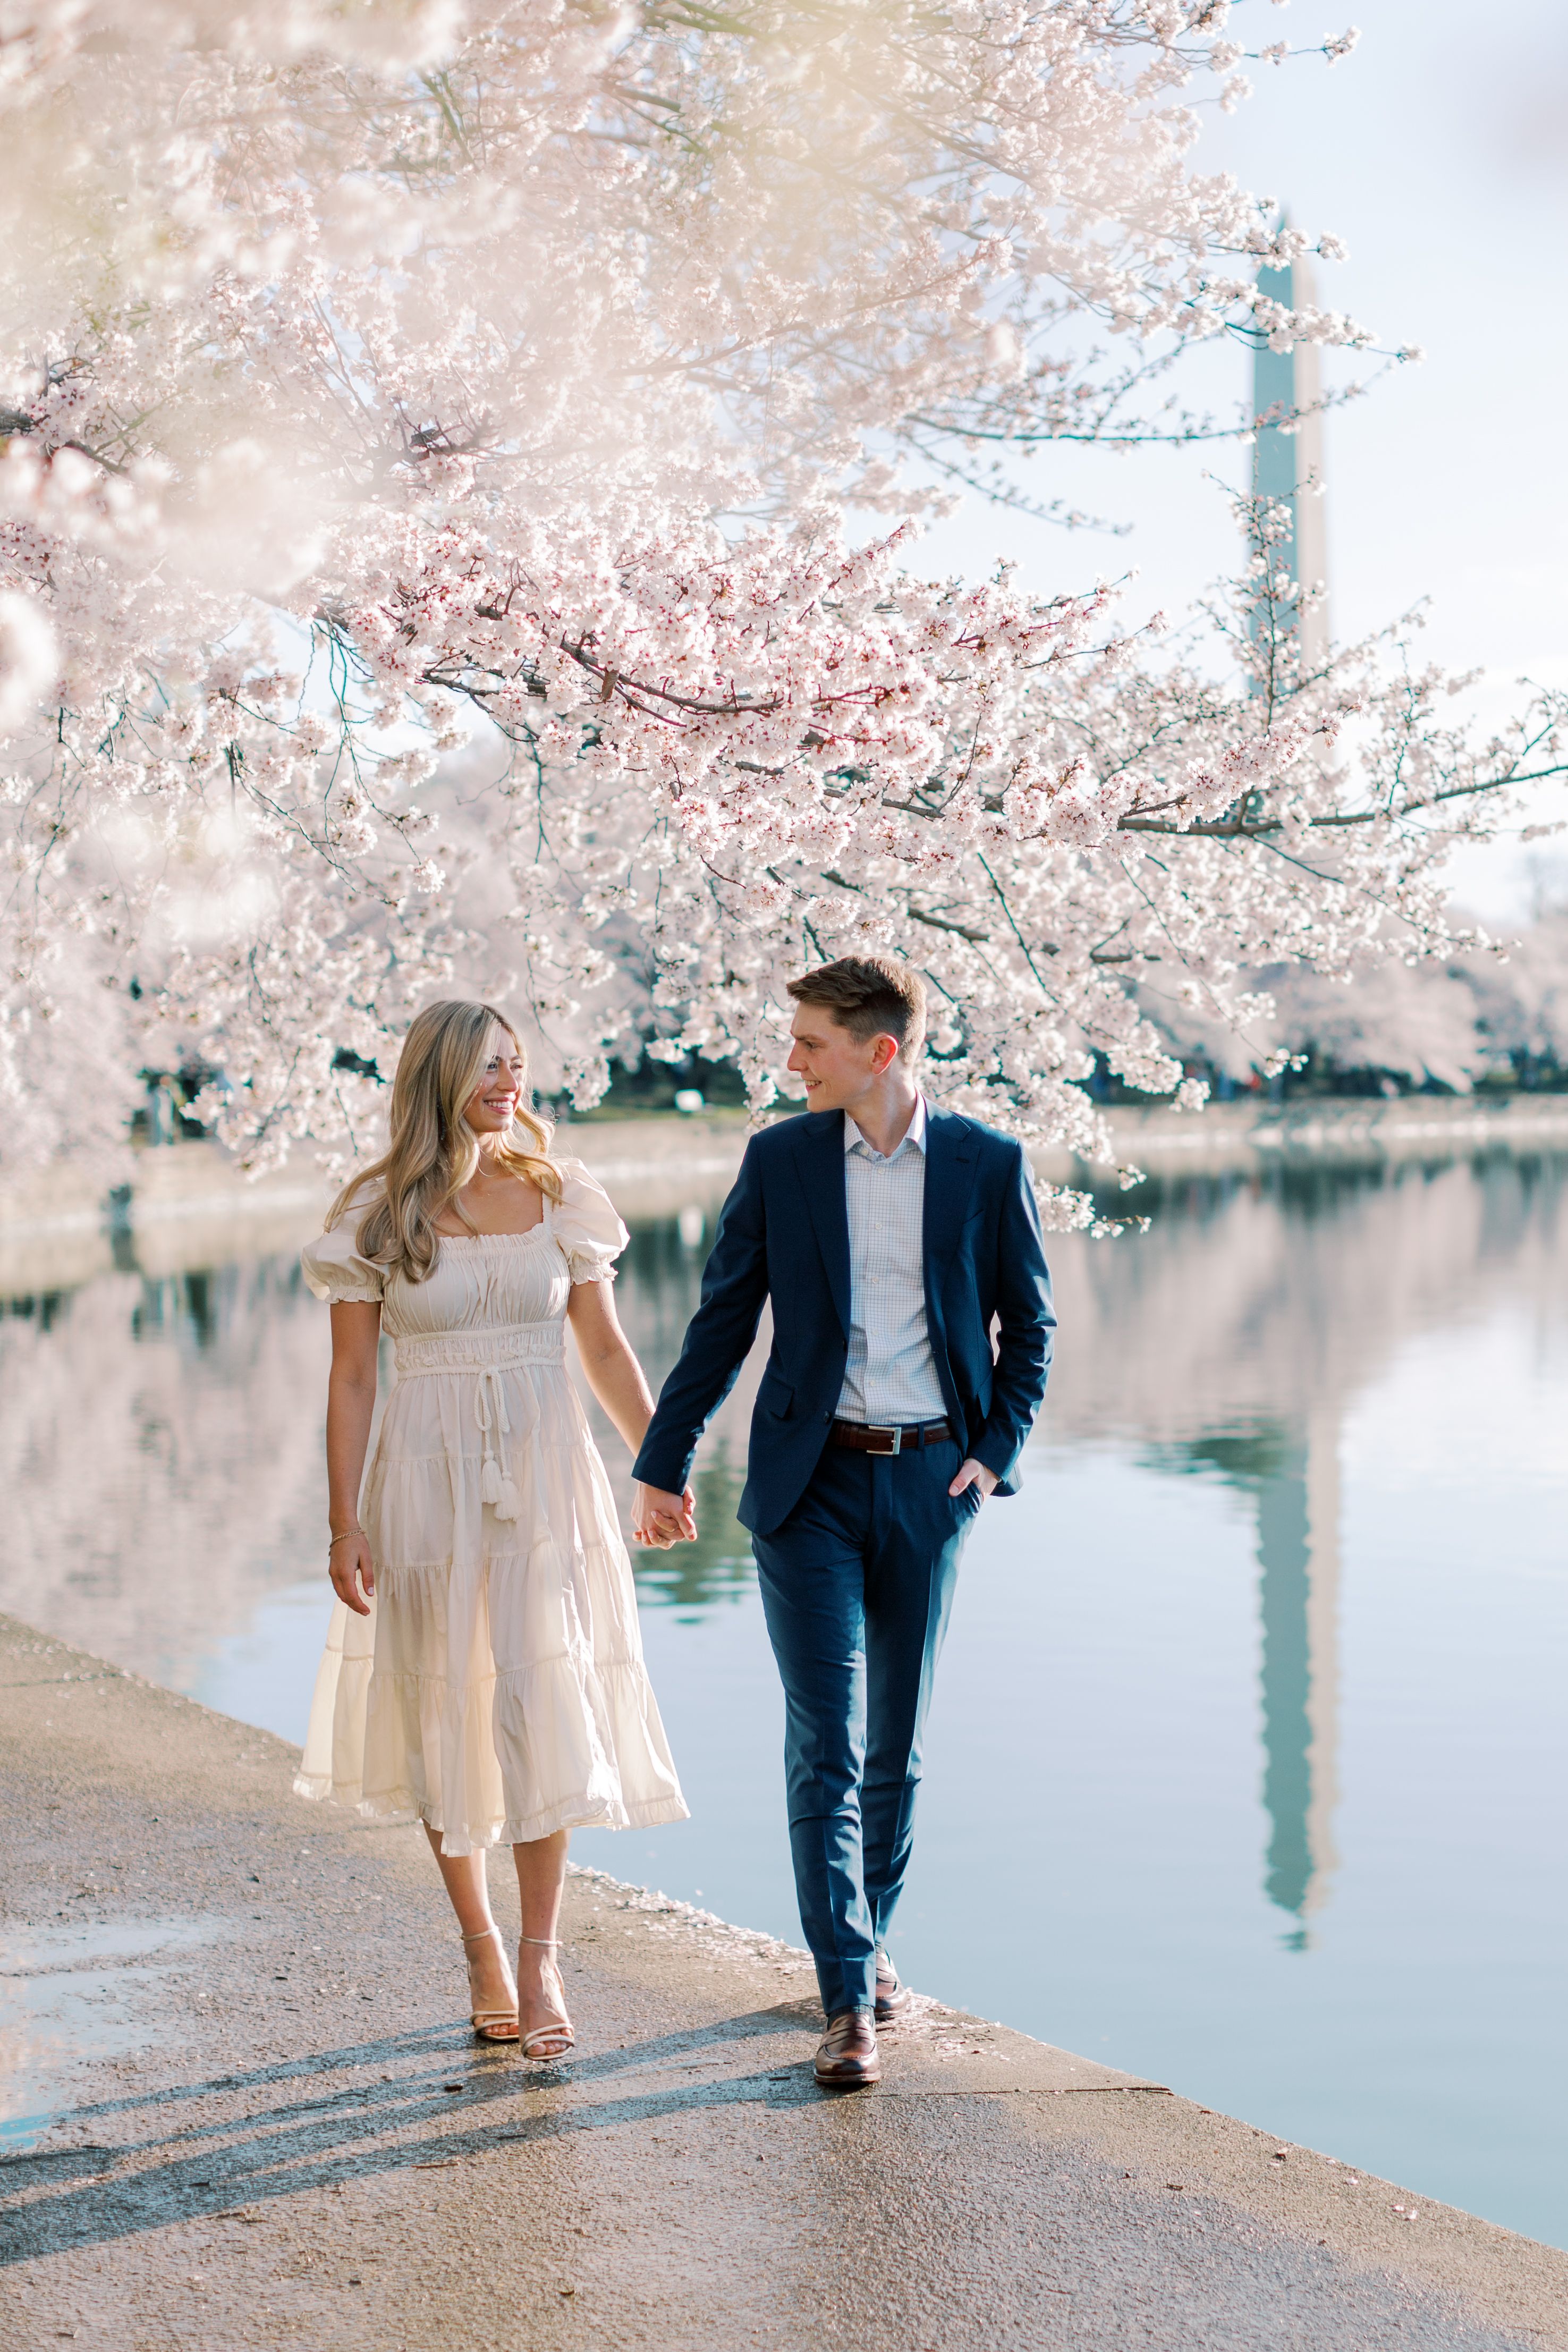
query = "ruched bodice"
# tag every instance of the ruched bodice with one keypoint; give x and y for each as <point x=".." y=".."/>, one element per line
<point x="485" y="1284"/>
<point x="481" y="1280"/>
<point x="498" y="1689"/>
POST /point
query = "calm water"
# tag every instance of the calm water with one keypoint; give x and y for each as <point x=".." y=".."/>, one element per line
<point x="1246" y="1764"/>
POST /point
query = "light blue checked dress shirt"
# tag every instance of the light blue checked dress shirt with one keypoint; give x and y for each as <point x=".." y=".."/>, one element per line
<point x="890" y="1377"/>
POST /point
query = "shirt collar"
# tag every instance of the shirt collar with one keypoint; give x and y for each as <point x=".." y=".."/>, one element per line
<point x="913" y="1135"/>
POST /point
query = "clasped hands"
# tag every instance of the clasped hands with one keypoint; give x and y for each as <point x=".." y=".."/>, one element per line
<point x="662" y="1519"/>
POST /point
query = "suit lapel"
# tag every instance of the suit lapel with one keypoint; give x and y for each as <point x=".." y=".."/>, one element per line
<point x="819" y="1156"/>
<point x="951" y="1164"/>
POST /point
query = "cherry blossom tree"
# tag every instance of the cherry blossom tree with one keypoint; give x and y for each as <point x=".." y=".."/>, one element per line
<point x="401" y="394"/>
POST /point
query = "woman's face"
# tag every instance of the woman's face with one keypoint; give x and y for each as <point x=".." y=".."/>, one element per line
<point x="492" y="1106"/>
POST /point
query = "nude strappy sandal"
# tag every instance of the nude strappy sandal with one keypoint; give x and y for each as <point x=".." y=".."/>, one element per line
<point x="490" y="2024"/>
<point x="563" y="2036"/>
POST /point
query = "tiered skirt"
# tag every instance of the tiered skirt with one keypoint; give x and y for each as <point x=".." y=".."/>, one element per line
<point x="496" y="1691"/>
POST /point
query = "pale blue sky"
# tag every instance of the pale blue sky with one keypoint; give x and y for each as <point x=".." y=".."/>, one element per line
<point x="1437" y="152"/>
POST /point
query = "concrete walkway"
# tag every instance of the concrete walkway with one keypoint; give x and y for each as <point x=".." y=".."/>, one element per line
<point x="259" y="2119"/>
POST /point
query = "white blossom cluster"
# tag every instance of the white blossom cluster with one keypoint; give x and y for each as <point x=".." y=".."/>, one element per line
<point x="369" y="370"/>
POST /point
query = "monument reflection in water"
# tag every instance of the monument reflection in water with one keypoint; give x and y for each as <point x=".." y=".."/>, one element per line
<point x="1292" y="1481"/>
<point x="1094" y="1863"/>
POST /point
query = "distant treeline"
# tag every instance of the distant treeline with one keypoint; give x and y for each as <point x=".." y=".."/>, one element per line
<point x="1495" y="1019"/>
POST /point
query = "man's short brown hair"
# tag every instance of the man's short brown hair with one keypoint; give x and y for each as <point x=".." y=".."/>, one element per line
<point x="871" y="996"/>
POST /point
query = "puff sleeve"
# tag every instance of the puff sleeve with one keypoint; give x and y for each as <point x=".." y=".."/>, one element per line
<point x="336" y="1272"/>
<point x="591" y="1234"/>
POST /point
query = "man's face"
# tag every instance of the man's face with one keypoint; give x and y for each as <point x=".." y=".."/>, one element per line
<point x="834" y="1067"/>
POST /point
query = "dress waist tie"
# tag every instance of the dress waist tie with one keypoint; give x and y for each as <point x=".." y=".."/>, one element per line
<point x="497" y="1484"/>
<point x="486" y="1356"/>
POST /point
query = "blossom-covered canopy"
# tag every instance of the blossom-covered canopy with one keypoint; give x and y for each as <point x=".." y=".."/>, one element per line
<point x="454" y="490"/>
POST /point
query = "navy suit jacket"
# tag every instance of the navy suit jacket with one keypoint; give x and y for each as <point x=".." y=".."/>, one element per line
<point x="784" y="1234"/>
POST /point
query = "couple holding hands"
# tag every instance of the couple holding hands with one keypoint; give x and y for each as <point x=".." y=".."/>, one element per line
<point x="484" y="1672"/>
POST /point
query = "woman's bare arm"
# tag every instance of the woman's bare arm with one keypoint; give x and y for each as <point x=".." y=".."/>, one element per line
<point x="617" y="1381"/>
<point x="350" y="1406"/>
<point x="613" y="1372"/>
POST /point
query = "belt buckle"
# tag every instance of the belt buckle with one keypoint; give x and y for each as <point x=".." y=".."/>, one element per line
<point x="879" y="1429"/>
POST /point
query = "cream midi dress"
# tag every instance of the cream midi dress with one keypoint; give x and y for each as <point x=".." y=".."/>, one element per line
<point x="496" y="1691"/>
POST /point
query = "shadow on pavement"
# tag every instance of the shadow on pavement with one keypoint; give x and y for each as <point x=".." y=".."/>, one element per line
<point x="95" y="2193"/>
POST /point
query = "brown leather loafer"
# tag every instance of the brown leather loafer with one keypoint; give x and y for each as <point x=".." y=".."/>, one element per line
<point x="892" y="1999"/>
<point x="848" y="2058"/>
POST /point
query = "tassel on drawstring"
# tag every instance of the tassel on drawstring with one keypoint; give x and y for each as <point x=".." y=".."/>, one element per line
<point x="497" y="1487"/>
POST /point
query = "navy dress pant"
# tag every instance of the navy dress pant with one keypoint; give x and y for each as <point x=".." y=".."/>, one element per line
<point x="857" y="1585"/>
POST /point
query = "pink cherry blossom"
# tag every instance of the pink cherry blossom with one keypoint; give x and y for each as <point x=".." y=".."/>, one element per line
<point x="438" y="442"/>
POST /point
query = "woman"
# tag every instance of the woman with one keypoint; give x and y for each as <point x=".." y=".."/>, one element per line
<point x="484" y="1672"/>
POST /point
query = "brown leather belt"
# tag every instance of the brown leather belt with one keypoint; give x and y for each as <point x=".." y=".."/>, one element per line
<point x="868" y="1437"/>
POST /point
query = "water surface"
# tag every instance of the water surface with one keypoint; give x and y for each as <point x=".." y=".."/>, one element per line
<point x="1246" y="1769"/>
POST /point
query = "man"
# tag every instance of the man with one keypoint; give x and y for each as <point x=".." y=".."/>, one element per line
<point x="890" y="1237"/>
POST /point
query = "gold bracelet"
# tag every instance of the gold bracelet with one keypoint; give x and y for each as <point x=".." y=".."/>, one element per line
<point x="344" y="1537"/>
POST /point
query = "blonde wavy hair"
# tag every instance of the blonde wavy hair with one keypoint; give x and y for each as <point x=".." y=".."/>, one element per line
<point x="435" y="1151"/>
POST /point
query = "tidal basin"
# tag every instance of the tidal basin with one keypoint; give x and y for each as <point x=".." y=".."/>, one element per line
<point x="1247" y="1765"/>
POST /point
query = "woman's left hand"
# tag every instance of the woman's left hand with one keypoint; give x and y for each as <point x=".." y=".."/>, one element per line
<point x="352" y="1570"/>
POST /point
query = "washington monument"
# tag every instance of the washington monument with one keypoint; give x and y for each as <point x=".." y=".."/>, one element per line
<point x="1288" y="465"/>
